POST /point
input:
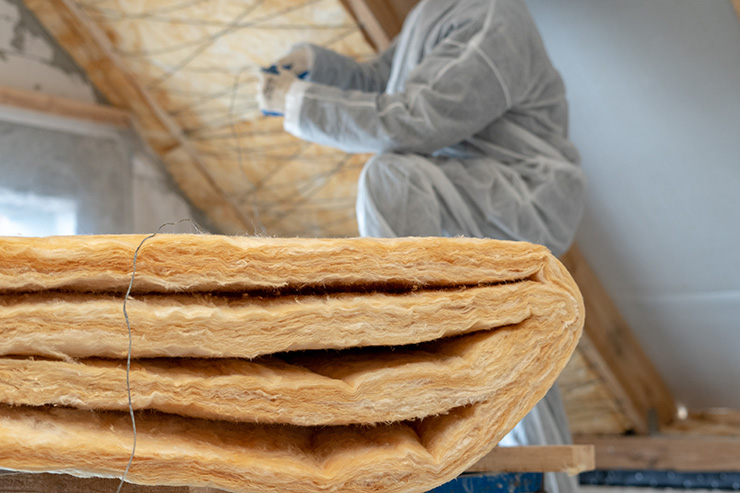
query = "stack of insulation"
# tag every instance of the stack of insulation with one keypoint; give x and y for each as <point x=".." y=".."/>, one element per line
<point x="291" y="365"/>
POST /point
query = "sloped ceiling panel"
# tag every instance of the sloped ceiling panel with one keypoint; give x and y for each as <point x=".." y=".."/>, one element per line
<point x="187" y="69"/>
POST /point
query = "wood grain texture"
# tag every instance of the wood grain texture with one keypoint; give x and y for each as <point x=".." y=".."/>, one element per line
<point x="68" y="108"/>
<point x="402" y="7"/>
<point x="704" y="454"/>
<point x="376" y="19"/>
<point x="571" y="459"/>
<point x="610" y="347"/>
<point x="590" y="407"/>
<point x="708" y="423"/>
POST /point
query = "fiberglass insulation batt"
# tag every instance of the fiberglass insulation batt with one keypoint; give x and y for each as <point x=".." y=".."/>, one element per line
<point x="262" y="364"/>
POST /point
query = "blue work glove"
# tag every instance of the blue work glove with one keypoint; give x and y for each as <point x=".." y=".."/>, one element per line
<point x="274" y="83"/>
<point x="298" y="61"/>
<point x="273" y="86"/>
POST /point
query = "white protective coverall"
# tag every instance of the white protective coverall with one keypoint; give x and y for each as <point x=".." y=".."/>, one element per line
<point x="468" y="120"/>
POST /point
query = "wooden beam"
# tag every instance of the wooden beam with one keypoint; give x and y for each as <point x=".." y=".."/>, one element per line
<point x="572" y="459"/>
<point x="68" y="108"/>
<point x="387" y="17"/>
<point x="736" y="3"/>
<point x="376" y="19"/>
<point x="698" y="454"/>
<point x="711" y="422"/>
<point x="615" y="354"/>
<point x="402" y="7"/>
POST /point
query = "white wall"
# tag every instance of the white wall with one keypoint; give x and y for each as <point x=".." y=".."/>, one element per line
<point x="654" y="87"/>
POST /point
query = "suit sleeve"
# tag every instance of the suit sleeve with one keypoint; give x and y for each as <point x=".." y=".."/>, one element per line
<point x="332" y="69"/>
<point x="454" y="92"/>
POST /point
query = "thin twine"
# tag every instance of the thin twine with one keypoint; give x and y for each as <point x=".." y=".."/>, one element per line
<point x="130" y="342"/>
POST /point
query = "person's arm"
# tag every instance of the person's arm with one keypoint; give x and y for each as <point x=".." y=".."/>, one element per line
<point x="332" y="69"/>
<point x="456" y="91"/>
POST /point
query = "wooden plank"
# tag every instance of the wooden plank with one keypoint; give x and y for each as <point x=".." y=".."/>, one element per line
<point x="615" y="354"/>
<point x="736" y="3"/>
<point x="69" y="108"/>
<point x="63" y="483"/>
<point x="698" y="454"/>
<point x="713" y="422"/>
<point x="402" y="7"/>
<point x="572" y="459"/>
<point x="387" y="17"/>
<point x="377" y="20"/>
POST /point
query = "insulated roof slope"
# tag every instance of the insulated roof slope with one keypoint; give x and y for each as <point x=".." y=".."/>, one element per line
<point x="188" y="72"/>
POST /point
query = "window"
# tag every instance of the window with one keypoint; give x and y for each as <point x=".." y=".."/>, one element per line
<point x="25" y="214"/>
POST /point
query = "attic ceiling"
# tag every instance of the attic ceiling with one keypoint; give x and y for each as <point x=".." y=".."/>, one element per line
<point x="188" y="72"/>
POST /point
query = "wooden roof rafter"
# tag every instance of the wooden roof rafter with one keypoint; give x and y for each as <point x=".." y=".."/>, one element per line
<point x="376" y="19"/>
<point x="64" y="107"/>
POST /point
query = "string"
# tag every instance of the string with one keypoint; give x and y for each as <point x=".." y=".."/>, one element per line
<point x="130" y="342"/>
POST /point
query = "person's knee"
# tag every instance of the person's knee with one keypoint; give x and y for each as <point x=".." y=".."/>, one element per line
<point x="374" y="196"/>
<point x="379" y="172"/>
<point x="396" y="193"/>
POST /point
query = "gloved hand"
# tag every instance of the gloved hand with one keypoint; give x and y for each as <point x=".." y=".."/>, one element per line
<point x="298" y="61"/>
<point x="272" y="88"/>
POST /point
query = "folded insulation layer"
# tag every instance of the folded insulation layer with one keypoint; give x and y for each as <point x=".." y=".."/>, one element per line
<point x="192" y="263"/>
<point x="174" y="451"/>
<point x="407" y="359"/>
<point x="84" y="326"/>
<point x="363" y="386"/>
